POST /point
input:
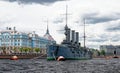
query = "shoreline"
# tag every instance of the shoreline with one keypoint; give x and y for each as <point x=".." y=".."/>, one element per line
<point x="23" y="55"/>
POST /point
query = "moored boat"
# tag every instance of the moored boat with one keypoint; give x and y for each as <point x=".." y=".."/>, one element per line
<point x="69" y="48"/>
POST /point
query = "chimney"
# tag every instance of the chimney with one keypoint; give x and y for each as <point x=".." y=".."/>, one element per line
<point x="68" y="35"/>
<point x="6" y="28"/>
<point x="73" y="35"/>
<point x="77" y="37"/>
<point x="14" y="28"/>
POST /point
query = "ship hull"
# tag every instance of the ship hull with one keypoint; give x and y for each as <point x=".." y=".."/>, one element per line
<point x="69" y="53"/>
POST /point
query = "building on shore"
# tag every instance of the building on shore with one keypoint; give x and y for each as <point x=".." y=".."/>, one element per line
<point x="49" y="37"/>
<point x="11" y="41"/>
<point x="111" y="49"/>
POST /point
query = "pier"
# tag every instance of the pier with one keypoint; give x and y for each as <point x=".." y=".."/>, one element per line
<point x="23" y="55"/>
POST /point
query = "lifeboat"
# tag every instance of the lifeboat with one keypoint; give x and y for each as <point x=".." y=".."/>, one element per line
<point x="14" y="58"/>
<point x="60" y="58"/>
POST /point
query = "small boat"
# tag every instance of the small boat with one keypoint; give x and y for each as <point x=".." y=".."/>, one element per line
<point x="14" y="58"/>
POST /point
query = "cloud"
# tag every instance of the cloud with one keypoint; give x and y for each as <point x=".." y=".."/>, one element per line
<point x="114" y="28"/>
<point x="34" y="1"/>
<point x="93" y="18"/>
<point x="115" y="38"/>
<point x="97" y="40"/>
<point x="102" y="18"/>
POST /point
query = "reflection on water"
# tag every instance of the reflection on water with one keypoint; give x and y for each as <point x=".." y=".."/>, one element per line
<point x="69" y="66"/>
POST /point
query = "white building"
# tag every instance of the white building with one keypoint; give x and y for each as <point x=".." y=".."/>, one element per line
<point x="111" y="49"/>
<point x="11" y="39"/>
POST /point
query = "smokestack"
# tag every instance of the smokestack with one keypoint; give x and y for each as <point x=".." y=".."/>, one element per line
<point x="73" y="35"/>
<point x="14" y="28"/>
<point x="6" y="28"/>
<point x="68" y="35"/>
<point x="77" y="37"/>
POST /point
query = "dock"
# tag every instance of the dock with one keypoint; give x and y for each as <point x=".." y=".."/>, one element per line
<point x="23" y="55"/>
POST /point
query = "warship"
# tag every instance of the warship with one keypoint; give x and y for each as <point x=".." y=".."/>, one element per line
<point x="70" y="48"/>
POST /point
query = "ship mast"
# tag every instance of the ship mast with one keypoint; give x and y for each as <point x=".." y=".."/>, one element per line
<point x="67" y="30"/>
<point x="66" y="15"/>
<point x="84" y="35"/>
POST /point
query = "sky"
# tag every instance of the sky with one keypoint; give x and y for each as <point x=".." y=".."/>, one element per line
<point x="102" y="18"/>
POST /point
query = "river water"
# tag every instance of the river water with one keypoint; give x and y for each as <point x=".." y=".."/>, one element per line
<point x="68" y="66"/>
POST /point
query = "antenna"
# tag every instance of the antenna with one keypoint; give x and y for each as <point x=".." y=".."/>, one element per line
<point x="66" y="14"/>
<point x="47" y="22"/>
<point x="84" y="35"/>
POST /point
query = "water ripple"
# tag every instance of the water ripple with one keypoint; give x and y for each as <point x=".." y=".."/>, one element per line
<point x="70" y="66"/>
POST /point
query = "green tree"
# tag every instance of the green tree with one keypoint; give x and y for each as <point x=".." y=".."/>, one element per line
<point x="95" y="52"/>
<point x="98" y="52"/>
<point x="103" y="52"/>
<point x="25" y="49"/>
<point x="21" y="49"/>
<point x="30" y="49"/>
<point x="37" y="50"/>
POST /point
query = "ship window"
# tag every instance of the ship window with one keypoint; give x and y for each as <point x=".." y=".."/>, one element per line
<point x="57" y="47"/>
<point x="73" y="52"/>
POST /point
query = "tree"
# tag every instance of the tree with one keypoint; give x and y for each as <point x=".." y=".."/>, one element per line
<point x="37" y="50"/>
<point x="25" y="49"/>
<point x="103" y="52"/>
<point x="98" y="53"/>
<point x="95" y="52"/>
<point x="21" y="49"/>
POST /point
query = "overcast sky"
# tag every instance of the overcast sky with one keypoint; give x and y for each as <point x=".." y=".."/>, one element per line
<point x="102" y="18"/>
